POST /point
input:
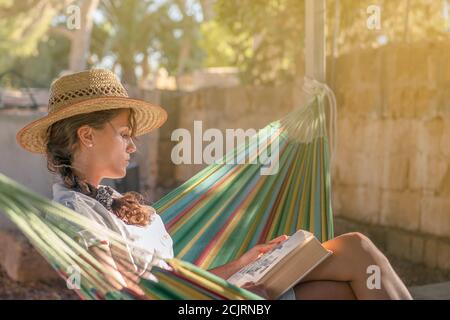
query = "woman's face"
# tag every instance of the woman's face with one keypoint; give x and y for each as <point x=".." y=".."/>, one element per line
<point x="111" y="147"/>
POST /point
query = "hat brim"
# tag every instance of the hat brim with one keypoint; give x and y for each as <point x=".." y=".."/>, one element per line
<point x="33" y="137"/>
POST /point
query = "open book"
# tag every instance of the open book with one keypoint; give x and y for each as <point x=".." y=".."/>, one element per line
<point x="285" y="265"/>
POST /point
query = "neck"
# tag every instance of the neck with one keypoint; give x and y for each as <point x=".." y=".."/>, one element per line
<point x="87" y="172"/>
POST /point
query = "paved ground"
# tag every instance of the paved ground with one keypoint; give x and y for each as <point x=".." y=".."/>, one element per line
<point x="436" y="291"/>
<point x="54" y="290"/>
<point x="412" y="274"/>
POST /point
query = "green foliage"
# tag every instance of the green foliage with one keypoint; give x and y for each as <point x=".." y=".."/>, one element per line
<point x="132" y="31"/>
<point x="266" y="37"/>
<point x="23" y="24"/>
<point x="216" y="41"/>
<point x="401" y="21"/>
<point x="263" y="38"/>
<point x="39" y="70"/>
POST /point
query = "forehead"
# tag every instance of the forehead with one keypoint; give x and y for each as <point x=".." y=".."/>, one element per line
<point x="122" y="119"/>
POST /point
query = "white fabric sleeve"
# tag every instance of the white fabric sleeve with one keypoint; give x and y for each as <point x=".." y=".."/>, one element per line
<point x="84" y="237"/>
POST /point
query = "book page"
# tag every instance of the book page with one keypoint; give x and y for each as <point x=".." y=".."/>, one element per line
<point x="257" y="269"/>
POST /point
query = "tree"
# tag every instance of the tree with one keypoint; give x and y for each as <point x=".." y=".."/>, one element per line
<point x="267" y="36"/>
<point x="133" y="31"/>
<point x="25" y="24"/>
<point x="80" y="36"/>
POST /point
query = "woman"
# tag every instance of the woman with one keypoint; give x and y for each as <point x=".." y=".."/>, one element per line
<point x="88" y="136"/>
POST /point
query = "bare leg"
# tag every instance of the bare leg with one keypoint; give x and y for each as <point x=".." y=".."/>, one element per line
<point x="353" y="253"/>
<point x="324" y="290"/>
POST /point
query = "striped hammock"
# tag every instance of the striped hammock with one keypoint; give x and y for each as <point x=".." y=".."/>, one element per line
<point x="213" y="218"/>
<point x="226" y="209"/>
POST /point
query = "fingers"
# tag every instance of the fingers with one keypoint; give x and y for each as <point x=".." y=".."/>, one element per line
<point x="272" y="244"/>
<point x="279" y="239"/>
<point x="248" y="285"/>
<point x="264" y="248"/>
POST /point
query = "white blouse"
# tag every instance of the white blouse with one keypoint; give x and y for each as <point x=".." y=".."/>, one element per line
<point x="148" y="242"/>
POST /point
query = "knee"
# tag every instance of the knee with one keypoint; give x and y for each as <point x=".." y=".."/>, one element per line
<point x="354" y="239"/>
<point x="358" y="244"/>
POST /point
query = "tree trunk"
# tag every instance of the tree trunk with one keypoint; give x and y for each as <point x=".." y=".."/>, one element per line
<point x="128" y="72"/>
<point x="208" y="9"/>
<point x="81" y="39"/>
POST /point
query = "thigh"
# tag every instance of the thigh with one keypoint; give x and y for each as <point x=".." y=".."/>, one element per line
<point x="324" y="290"/>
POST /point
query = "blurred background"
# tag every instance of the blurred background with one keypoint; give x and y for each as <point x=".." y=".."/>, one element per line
<point x="240" y="64"/>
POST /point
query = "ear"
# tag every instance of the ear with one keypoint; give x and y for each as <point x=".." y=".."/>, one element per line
<point x="86" y="135"/>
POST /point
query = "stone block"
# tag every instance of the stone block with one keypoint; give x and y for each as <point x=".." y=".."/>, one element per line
<point x="356" y="169"/>
<point x="445" y="140"/>
<point x="21" y="261"/>
<point x="443" y="257"/>
<point x="399" y="102"/>
<point x="399" y="136"/>
<point x="435" y="171"/>
<point x="369" y="67"/>
<point x="417" y="249"/>
<point x="394" y="175"/>
<point x="426" y="102"/>
<point x="399" y="244"/>
<point x="345" y="72"/>
<point x="429" y="135"/>
<point x="430" y="253"/>
<point x="401" y="209"/>
<point x="363" y="102"/>
<point x="348" y="138"/>
<point x="435" y="216"/>
<point x="412" y="68"/>
<point x="359" y="203"/>
<point x="416" y="172"/>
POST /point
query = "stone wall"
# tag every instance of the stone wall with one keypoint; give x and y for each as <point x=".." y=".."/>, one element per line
<point x="392" y="167"/>
<point x="18" y="164"/>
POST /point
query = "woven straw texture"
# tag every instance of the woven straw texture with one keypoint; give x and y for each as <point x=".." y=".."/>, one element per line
<point x="85" y="92"/>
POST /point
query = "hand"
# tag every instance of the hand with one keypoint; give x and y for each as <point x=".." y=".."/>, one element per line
<point x="259" y="289"/>
<point x="258" y="250"/>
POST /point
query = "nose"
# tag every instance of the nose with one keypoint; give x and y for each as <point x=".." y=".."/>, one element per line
<point x="131" y="147"/>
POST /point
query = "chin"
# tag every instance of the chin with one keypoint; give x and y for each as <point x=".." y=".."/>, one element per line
<point x="118" y="174"/>
<point x="123" y="174"/>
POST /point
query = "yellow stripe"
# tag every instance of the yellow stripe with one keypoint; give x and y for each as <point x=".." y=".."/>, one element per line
<point x="215" y="287"/>
<point x="192" y="242"/>
<point x="185" y="289"/>
<point x="224" y="186"/>
<point x="230" y="228"/>
<point x="186" y="191"/>
<point x="305" y="172"/>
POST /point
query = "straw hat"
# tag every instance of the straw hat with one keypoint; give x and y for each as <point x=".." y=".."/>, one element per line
<point x="84" y="92"/>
